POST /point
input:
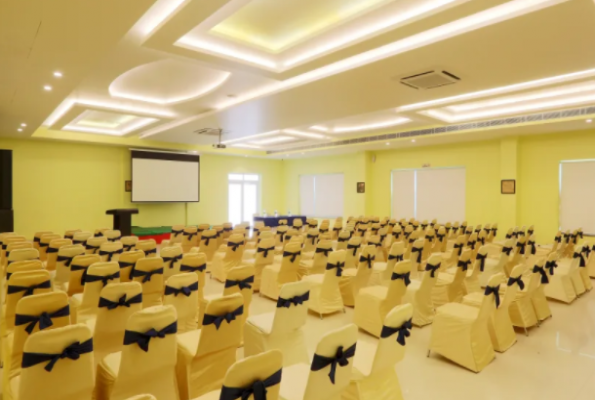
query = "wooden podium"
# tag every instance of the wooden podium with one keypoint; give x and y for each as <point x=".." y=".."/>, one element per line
<point x="123" y="219"/>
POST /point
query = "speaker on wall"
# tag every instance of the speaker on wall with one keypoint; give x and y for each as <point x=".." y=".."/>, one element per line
<point x="6" y="213"/>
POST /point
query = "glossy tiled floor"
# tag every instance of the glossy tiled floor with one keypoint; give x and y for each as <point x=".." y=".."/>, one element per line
<point x="555" y="362"/>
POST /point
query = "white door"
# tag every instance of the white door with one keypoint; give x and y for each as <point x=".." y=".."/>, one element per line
<point x="244" y="197"/>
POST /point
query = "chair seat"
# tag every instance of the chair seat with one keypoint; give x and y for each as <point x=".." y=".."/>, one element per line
<point x="444" y="278"/>
<point x="188" y="341"/>
<point x="293" y="384"/>
<point x="458" y="311"/>
<point x="379" y="292"/>
<point x="264" y="322"/>
<point x="379" y="266"/>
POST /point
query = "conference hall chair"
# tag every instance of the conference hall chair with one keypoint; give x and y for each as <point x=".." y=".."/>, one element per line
<point x="500" y="326"/>
<point x="264" y="256"/>
<point x="44" y="243"/>
<point x="52" y="251"/>
<point x="310" y="243"/>
<point x="57" y="365"/>
<point x="15" y="252"/>
<point x="147" y="361"/>
<point x="13" y="238"/>
<point x="354" y="279"/>
<point x="373" y="303"/>
<point x="378" y="379"/>
<point x="97" y="276"/>
<point x="20" y="266"/>
<point x="281" y="329"/>
<point x="176" y="235"/>
<point x="81" y="237"/>
<point x="250" y="248"/>
<point x="32" y="314"/>
<point x="226" y="232"/>
<point x="127" y="261"/>
<point x="93" y="244"/>
<point x="495" y="264"/>
<point x="325" y="293"/>
<point x="382" y="271"/>
<point x="200" y="229"/>
<point x="181" y="292"/>
<point x="110" y="251"/>
<point x="352" y="252"/>
<point x="117" y="302"/>
<point x="450" y="287"/>
<point x="589" y="253"/>
<point x="100" y="232"/>
<point x="196" y="263"/>
<point x="560" y="285"/>
<point x="539" y="299"/>
<point x="149" y="273"/>
<point x="189" y="238"/>
<point x="460" y="332"/>
<point x="239" y="280"/>
<point x="208" y="243"/>
<point x="571" y="267"/>
<point x="205" y="355"/>
<point x="37" y="237"/>
<point x="113" y="235"/>
<point x="280" y="238"/>
<point x="376" y="241"/>
<point x="65" y="269"/>
<point x="337" y="227"/>
<point x="316" y="264"/>
<point x="419" y="292"/>
<point x="471" y="282"/>
<point x="430" y="239"/>
<point x="582" y="265"/>
<point x="223" y="262"/>
<point x="172" y="258"/>
<point x="416" y="256"/>
<point x="276" y="275"/>
<point x="341" y="241"/>
<point x="330" y="371"/>
<point x="148" y="246"/>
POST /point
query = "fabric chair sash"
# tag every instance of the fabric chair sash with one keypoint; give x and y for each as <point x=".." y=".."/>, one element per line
<point x="295" y="300"/>
<point x="403" y="331"/>
<point x="581" y="259"/>
<point x="495" y="290"/>
<point x="482" y="260"/>
<point x="432" y="269"/>
<point x="234" y="246"/>
<point x="353" y="247"/>
<point x="322" y="250"/>
<point x="191" y="234"/>
<point x="312" y="238"/>
<point x="122" y="301"/>
<point x="292" y="255"/>
<point x="44" y="319"/>
<point x="114" y="239"/>
<point x="406" y="277"/>
<point x="398" y="257"/>
<point x="185" y="290"/>
<point x="342" y="239"/>
<point x="190" y="268"/>
<point x="258" y="389"/>
<point x="89" y="247"/>
<point x="243" y="284"/>
<point x="459" y="247"/>
<point x="265" y="250"/>
<point x="128" y="247"/>
<point x="218" y="319"/>
<point x="471" y="244"/>
<point x="544" y="278"/>
<point x="506" y="250"/>
<point x="73" y="352"/>
<point x="464" y="264"/>
<point x="29" y="290"/>
<point x="369" y="259"/>
<point x="558" y="239"/>
<point x="110" y="254"/>
<point x="74" y="267"/>
<point x="126" y="264"/>
<point x="551" y="265"/>
<point x="417" y="250"/>
<point x="339" y="266"/>
<point x="521" y="246"/>
<point x="143" y="339"/>
<point x="207" y="239"/>
<point x="176" y="233"/>
<point x="172" y="260"/>
<point x="440" y="237"/>
<point x="50" y="250"/>
<point x="104" y="279"/>
<point x="341" y="359"/>
<point x="518" y="280"/>
<point x="98" y="234"/>
<point x="67" y="260"/>
<point x="147" y="275"/>
<point x="151" y="251"/>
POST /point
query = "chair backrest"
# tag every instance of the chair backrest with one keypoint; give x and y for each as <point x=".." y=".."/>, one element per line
<point x="70" y="378"/>
<point x="110" y="251"/>
<point x="81" y="237"/>
<point x="364" y="269"/>
<point x="149" y="273"/>
<point x="397" y="286"/>
<point x="181" y="292"/>
<point x="100" y="232"/>
<point x="323" y="248"/>
<point x="235" y="247"/>
<point x="113" y="235"/>
<point x="14" y="253"/>
<point x="416" y="255"/>
<point x="390" y="351"/>
<point x="24" y="265"/>
<point x="457" y="287"/>
<point x="93" y="244"/>
<point x="250" y="372"/>
<point x="311" y="239"/>
<point x="127" y="261"/>
<point x="265" y="246"/>
<point x="197" y="263"/>
<point x="280" y="235"/>
<point x="395" y="254"/>
<point x="512" y="287"/>
<point x="44" y="242"/>
<point x="172" y="259"/>
<point x="76" y="271"/>
<point x="208" y="243"/>
<point x="148" y="246"/>
<point x="488" y="304"/>
<point x="23" y="284"/>
<point x="129" y="242"/>
<point x="292" y="307"/>
<point x="352" y="251"/>
<point x="37" y="237"/>
<point x="97" y="276"/>
<point x="292" y="254"/>
<point x="30" y="318"/>
<point x="176" y="234"/>
<point x="320" y="386"/>
<point x="52" y="251"/>
<point x="189" y="237"/>
<point x="342" y="238"/>
<point x="240" y="279"/>
<point x="117" y="302"/>
<point x="218" y="334"/>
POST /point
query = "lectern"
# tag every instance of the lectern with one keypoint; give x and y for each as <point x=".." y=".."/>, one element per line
<point x="123" y="219"/>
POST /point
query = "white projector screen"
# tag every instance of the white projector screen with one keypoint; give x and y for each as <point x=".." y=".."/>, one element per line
<point x="321" y="196"/>
<point x="165" y="177"/>
<point x="577" y="196"/>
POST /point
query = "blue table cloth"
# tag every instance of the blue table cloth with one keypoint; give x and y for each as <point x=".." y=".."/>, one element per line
<point x="274" y="221"/>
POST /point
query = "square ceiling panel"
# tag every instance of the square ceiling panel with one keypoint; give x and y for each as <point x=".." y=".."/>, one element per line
<point x="275" y="25"/>
<point x="109" y="123"/>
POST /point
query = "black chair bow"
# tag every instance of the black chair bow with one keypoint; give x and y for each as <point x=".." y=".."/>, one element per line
<point x="265" y="250"/>
<point x="551" y="265"/>
<point x="50" y="250"/>
<point x="340" y="239"/>
<point x="176" y="233"/>
<point x="98" y="234"/>
<point x="339" y="266"/>
<point x="185" y="290"/>
<point x="558" y="239"/>
<point x="29" y="290"/>
<point x="72" y="352"/>
<point x="126" y="264"/>
<point x="581" y="259"/>
<point x="67" y="260"/>
<point x="424" y="226"/>
<point x="430" y="238"/>
<point x="405" y="276"/>
<point x="518" y="280"/>
<point x="403" y="331"/>
<point x="218" y="319"/>
<point x="353" y="247"/>
<point x="243" y="284"/>
<point x="143" y="339"/>
<point x="544" y="278"/>
<point x="122" y="301"/>
<point x="341" y="358"/>
<point x="172" y="260"/>
<point x="75" y="241"/>
<point x="506" y="250"/>
<point x="471" y="244"/>
<point x="128" y="247"/>
<point x="398" y="257"/>
<point x="432" y="269"/>
<point x="368" y="259"/>
<point x="295" y="300"/>
<point x="509" y="236"/>
<point x="312" y="238"/>
<point x="459" y="247"/>
<point x="323" y="250"/>
<point x="530" y="232"/>
<point x="234" y="246"/>
<point x="74" y="267"/>
<point x="292" y="255"/>
<point x="207" y="239"/>
<point x="228" y="229"/>
<point x="258" y="389"/>
<point x="417" y="250"/>
<point x="36" y="239"/>
<point x="110" y="254"/>
<point x="464" y="264"/>
<point x="521" y="246"/>
<point x="147" y="275"/>
<point x="482" y="260"/>
<point x="190" y="268"/>
<point x="531" y="244"/>
<point x="114" y="239"/>
<point x="90" y="247"/>
<point x="44" y="319"/>
<point x="104" y="279"/>
<point x="440" y="237"/>
<point x="190" y="234"/>
<point x="322" y="230"/>
<point x="495" y="290"/>
<point x="151" y="251"/>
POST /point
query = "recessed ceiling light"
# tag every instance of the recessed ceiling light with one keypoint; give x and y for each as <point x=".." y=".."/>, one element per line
<point x="58" y="74"/>
<point x="20" y="130"/>
<point x="589" y="121"/>
<point x="23" y="124"/>
<point x="412" y="140"/>
<point x="387" y="143"/>
<point x="47" y="88"/>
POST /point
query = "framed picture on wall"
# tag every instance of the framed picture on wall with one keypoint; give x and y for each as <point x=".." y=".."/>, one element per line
<point x="508" y="186"/>
<point x="361" y="187"/>
<point x="128" y="186"/>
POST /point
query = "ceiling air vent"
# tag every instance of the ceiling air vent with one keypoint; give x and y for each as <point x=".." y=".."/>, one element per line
<point x="430" y="80"/>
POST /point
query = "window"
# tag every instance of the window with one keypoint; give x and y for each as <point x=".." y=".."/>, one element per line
<point x="321" y="196"/>
<point x="244" y="197"/>
<point x="577" y="195"/>
<point x="429" y="193"/>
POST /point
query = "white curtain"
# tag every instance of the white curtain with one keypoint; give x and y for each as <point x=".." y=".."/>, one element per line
<point x="321" y="196"/>
<point x="441" y="194"/>
<point x="403" y="194"/>
<point x="577" y="196"/>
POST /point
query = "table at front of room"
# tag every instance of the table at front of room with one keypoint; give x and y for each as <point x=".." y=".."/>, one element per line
<point x="274" y="221"/>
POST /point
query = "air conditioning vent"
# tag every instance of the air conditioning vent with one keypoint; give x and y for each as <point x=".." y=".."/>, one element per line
<point x="430" y="80"/>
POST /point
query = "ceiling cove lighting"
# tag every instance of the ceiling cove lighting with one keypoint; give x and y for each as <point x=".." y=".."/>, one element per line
<point x="305" y="134"/>
<point x="245" y="138"/>
<point x="159" y="13"/>
<point x="378" y="125"/>
<point x="58" y="74"/>
<point x="246" y="146"/>
<point x="501" y="89"/>
<point x="129" y="128"/>
<point x="279" y="139"/>
<point x="559" y="103"/>
<point x="319" y="128"/>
